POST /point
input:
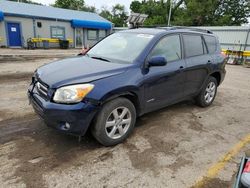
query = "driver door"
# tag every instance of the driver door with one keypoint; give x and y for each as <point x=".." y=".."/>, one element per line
<point x="164" y="85"/>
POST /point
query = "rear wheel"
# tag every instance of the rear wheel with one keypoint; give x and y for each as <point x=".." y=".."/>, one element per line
<point x="208" y="93"/>
<point x="114" y="122"/>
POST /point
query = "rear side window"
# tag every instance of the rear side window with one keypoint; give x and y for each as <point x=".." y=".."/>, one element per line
<point x="169" y="47"/>
<point x="211" y="43"/>
<point x="193" y="45"/>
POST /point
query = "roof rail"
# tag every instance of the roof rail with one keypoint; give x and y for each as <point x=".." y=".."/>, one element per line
<point x="188" y="28"/>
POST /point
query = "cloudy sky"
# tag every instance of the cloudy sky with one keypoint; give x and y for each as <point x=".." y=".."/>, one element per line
<point x="97" y="3"/>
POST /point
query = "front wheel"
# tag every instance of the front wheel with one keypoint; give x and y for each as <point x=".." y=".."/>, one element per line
<point x="114" y="122"/>
<point x="208" y="93"/>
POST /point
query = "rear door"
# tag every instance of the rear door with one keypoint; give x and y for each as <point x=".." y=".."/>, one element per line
<point x="197" y="60"/>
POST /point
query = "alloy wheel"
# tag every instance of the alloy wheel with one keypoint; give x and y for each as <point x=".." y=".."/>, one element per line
<point x="210" y="92"/>
<point x="118" y="122"/>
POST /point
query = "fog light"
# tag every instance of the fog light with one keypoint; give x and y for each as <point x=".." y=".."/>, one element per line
<point x="65" y="126"/>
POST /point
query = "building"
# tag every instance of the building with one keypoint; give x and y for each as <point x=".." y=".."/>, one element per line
<point x="21" y="21"/>
<point x="230" y="37"/>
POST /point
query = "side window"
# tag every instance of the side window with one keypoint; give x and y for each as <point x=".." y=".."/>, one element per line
<point x="169" y="47"/>
<point x="211" y="43"/>
<point x="193" y="45"/>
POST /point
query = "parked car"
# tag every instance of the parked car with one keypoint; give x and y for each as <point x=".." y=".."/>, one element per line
<point x="124" y="76"/>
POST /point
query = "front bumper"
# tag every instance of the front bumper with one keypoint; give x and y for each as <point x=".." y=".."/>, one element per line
<point x="78" y="116"/>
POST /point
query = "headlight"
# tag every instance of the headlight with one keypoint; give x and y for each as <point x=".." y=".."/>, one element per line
<point x="73" y="93"/>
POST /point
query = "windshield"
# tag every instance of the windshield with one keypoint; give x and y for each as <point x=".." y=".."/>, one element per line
<point x="124" y="47"/>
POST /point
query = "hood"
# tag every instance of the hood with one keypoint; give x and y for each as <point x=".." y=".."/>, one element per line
<point x="77" y="70"/>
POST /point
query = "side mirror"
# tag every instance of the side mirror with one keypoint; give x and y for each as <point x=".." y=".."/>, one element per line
<point x="157" y="61"/>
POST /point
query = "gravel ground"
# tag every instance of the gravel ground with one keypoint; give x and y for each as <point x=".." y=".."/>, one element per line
<point x="36" y="52"/>
<point x="172" y="147"/>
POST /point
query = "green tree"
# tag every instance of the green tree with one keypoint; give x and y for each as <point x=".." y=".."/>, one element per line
<point x="213" y="12"/>
<point x="233" y="12"/>
<point x="194" y="12"/>
<point x="70" y="4"/>
<point x="119" y="15"/>
<point x="89" y="9"/>
<point x="135" y="6"/>
<point x="105" y="13"/>
<point x="157" y="11"/>
<point x="74" y="5"/>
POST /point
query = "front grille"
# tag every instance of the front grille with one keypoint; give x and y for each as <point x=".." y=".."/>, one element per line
<point x="37" y="108"/>
<point x="42" y="89"/>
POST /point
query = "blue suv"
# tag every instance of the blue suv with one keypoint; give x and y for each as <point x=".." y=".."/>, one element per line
<point x="126" y="75"/>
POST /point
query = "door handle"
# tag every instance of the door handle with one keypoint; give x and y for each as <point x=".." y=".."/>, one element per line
<point x="181" y="67"/>
<point x="209" y="61"/>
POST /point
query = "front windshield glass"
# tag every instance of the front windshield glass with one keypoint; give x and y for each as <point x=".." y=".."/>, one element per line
<point x="124" y="47"/>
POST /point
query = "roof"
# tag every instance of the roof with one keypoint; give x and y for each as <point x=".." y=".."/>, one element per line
<point x="150" y="31"/>
<point x="40" y="11"/>
<point x="155" y="31"/>
<point x="189" y="29"/>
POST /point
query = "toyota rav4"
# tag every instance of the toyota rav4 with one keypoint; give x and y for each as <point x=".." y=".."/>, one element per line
<point x="124" y="76"/>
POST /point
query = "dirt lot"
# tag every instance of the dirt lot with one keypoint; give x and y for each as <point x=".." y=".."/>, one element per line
<point x="173" y="147"/>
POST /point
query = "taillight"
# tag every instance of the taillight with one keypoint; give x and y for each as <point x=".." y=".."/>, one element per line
<point x="247" y="167"/>
<point x="223" y="54"/>
<point x="245" y="176"/>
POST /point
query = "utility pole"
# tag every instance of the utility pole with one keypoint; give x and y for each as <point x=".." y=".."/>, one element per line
<point x="169" y="13"/>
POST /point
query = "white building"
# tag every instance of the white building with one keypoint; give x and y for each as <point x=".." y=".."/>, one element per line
<point x="21" y="21"/>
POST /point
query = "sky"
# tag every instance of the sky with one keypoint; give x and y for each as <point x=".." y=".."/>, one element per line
<point x="97" y="3"/>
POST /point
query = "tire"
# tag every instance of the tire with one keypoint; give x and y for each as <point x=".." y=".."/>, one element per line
<point x="110" y="126"/>
<point x="208" y="92"/>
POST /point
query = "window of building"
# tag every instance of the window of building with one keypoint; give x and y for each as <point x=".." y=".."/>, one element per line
<point x="193" y="45"/>
<point x="39" y="24"/>
<point x="79" y="37"/>
<point x="169" y="47"/>
<point x="211" y="43"/>
<point x="92" y="34"/>
<point x="102" y="34"/>
<point x="58" y="32"/>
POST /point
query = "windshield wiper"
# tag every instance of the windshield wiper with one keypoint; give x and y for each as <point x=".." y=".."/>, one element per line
<point x="100" y="58"/>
